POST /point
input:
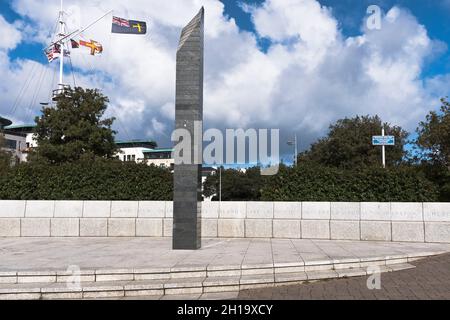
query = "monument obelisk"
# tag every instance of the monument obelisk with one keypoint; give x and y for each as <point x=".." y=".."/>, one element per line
<point x="189" y="116"/>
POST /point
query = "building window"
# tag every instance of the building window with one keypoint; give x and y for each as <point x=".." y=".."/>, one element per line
<point x="133" y="158"/>
<point x="11" y="144"/>
<point x="158" y="155"/>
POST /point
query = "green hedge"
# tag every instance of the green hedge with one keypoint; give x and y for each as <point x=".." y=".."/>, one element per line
<point x="115" y="180"/>
<point x="96" y="180"/>
<point x="310" y="182"/>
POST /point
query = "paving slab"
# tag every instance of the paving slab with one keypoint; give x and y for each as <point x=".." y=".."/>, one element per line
<point x="220" y="296"/>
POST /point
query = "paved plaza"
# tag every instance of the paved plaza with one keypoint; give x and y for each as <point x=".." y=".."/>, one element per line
<point x="122" y="268"/>
<point x="31" y="254"/>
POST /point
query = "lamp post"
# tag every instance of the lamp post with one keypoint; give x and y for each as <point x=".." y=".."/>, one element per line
<point x="383" y="151"/>
<point x="220" y="184"/>
<point x="294" y="143"/>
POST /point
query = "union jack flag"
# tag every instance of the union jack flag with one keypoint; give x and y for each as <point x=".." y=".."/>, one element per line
<point x="53" y="52"/>
<point x="121" y="22"/>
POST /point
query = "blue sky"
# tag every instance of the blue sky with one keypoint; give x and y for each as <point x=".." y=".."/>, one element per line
<point x="255" y="78"/>
<point x="28" y="50"/>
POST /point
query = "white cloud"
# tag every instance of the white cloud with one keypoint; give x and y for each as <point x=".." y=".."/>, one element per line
<point x="9" y="35"/>
<point x="310" y="76"/>
<point x="307" y="20"/>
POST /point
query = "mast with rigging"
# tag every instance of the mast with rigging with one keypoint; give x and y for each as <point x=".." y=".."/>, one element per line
<point x="62" y="43"/>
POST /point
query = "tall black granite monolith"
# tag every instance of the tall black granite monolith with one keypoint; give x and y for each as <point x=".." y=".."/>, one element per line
<point x="189" y="115"/>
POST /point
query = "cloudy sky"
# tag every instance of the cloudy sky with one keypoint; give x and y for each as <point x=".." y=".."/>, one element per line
<point x="296" y="65"/>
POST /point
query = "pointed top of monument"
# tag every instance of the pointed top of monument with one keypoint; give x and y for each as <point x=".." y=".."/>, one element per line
<point x="201" y="13"/>
<point x="198" y="19"/>
<point x="194" y="27"/>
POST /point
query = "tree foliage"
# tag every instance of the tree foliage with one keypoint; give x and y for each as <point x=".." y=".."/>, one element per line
<point x="349" y="144"/>
<point x="75" y="129"/>
<point x="237" y="185"/>
<point x="434" y="136"/>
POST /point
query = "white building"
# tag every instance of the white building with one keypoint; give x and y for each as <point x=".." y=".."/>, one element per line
<point x="15" y="142"/>
<point x="27" y="131"/>
<point x="160" y="158"/>
<point x="134" y="150"/>
<point x="145" y="152"/>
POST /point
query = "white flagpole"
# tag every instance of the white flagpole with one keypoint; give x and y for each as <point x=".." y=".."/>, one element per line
<point x="61" y="57"/>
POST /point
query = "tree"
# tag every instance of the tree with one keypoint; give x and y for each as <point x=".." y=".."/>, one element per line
<point x="5" y="156"/>
<point x="433" y="148"/>
<point x="349" y="144"/>
<point x="434" y="136"/>
<point x="74" y="129"/>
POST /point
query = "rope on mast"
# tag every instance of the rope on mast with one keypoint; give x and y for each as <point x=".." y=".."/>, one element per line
<point x="89" y="65"/>
<point x="73" y="73"/>
<point x="51" y="86"/>
<point x="24" y="88"/>
<point x="38" y="89"/>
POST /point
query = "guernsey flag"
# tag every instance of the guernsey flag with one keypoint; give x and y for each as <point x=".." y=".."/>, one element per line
<point x="124" y="26"/>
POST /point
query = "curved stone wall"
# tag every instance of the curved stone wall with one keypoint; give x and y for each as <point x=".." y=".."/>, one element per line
<point x="403" y="222"/>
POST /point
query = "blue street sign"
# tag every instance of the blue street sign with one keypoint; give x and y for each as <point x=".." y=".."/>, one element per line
<point x="383" y="140"/>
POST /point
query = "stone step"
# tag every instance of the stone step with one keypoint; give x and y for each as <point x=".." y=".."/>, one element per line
<point x="176" y="286"/>
<point x="200" y="271"/>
